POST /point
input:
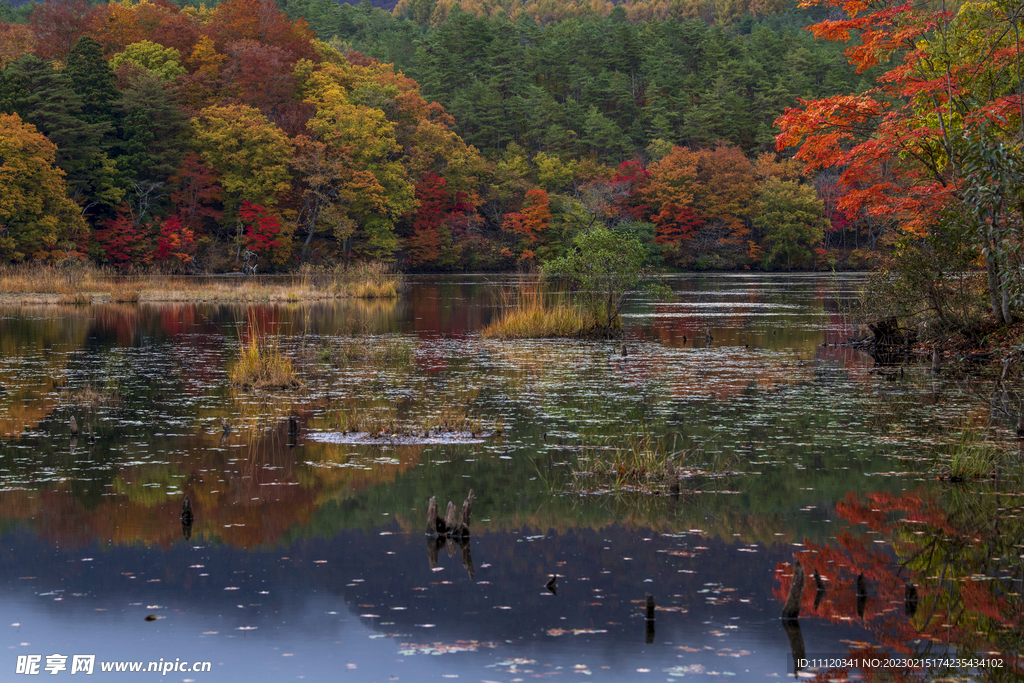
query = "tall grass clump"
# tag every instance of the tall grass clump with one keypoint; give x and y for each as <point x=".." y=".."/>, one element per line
<point x="71" y="277"/>
<point x="76" y="299"/>
<point x="389" y="350"/>
<point x="363" y="280"/>
<point x="645" y="463"/>
<point x="968" y="458"/>
<point x="529" y="311"/>
<point x="125" y="296"/>
<point x="261" y="364"/>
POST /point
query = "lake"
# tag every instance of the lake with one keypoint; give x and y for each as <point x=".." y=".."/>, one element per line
<point x="308" y="556"/>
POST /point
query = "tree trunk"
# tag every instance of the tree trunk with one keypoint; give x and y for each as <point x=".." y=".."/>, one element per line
<point x="993" y="283"/>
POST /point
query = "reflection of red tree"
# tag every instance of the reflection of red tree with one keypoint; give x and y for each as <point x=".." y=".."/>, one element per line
<point x="959" y="605"/>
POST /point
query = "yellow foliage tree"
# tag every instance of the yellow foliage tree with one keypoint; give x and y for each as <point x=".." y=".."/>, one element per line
<point x="37" y="220"/>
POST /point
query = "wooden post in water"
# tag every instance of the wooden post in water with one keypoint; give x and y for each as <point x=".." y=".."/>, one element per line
<point x="791" y="610"/>
<point x="862" y="595"/>
<point x="649" y="620"/>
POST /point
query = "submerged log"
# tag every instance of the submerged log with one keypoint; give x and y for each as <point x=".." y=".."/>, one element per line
<point x="791" y="610"/>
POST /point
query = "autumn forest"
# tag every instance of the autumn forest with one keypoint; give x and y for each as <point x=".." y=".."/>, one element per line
<point x="486" y="135"/>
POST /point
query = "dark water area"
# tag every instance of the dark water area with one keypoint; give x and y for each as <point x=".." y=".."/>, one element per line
<point x="308" y="559"/>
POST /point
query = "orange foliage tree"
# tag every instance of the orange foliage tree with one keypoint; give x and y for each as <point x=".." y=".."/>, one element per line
<point x="530" y="223"/>
<point x="941" y="130"/>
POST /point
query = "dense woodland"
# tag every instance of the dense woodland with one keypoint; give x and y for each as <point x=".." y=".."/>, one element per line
<point x="480" y="135"/>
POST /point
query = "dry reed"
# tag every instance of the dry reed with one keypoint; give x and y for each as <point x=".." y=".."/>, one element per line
<point x="261" y="364"/>
<point x="530" y="312"/>
<point x="45" y="283"/>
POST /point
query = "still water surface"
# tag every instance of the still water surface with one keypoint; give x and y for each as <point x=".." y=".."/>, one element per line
<point x="308" y="559"/>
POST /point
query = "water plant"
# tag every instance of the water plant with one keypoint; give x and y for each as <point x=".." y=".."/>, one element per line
<point x="261" y="364"/>
<point x="643" y="462"/>
<point x="970" y="457"/>
<point x="531" y="311"/>
<point x="385" y="419"/>
<point x="385" y="350"/>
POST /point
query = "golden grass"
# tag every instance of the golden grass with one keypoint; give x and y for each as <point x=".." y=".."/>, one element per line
<point x="125" y="296"/>
<point x="74" y="278"/>
<point x="77" y="299"/>
<point x="261" y="364"/>
<point x="530" y="313"/>
<point x="363" y="280"/>
<point x="46" y="284"/>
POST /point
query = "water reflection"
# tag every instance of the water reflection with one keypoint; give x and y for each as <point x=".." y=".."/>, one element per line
<point x="929" y="574"/>
<point x="301" y="555"/>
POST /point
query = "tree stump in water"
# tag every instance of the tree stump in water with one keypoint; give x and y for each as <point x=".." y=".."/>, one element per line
<point x="454" y="524"/>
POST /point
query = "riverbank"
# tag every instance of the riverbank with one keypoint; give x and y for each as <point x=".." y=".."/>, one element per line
<point x="84" y="284"/>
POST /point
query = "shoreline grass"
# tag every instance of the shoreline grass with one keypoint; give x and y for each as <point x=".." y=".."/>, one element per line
<point x="79" y="283"/>
<point x="530" y="312"/>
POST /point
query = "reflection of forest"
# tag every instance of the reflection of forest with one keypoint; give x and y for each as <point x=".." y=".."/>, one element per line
<point x="249" y="490"/>
<point x="928" y="576"/>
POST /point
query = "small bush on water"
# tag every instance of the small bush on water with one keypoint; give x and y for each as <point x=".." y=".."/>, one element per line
<point x="261" y="364"/>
